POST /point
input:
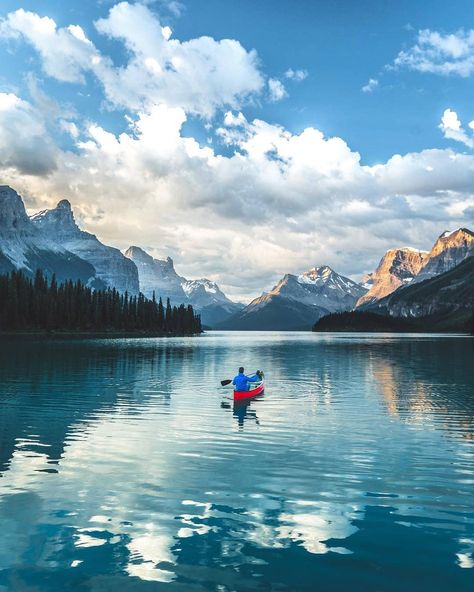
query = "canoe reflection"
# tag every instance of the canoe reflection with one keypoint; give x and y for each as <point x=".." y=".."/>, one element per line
<point x="242" y="410"/>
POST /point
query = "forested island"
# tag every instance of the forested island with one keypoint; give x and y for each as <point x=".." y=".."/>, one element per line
<point x="42" y="305"/>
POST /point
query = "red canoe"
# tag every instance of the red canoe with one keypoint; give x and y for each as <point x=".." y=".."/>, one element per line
<point x="256" y="388"/>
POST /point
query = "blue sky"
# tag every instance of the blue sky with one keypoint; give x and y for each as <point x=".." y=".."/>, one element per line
<point x="340" y="43"/>
<point x="279" y="168"/>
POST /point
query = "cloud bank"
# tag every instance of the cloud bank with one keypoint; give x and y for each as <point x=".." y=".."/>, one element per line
<point x="272" y="202"/>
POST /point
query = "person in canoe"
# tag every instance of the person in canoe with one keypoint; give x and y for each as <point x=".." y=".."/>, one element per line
<point x="242" y="382"/>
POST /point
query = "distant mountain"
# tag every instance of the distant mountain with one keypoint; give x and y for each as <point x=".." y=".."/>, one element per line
<point x="25" y="246"/>
<point x="400" y="267"/>
<point x="159" y="276"/>
<point x="296" y="302"/>
<point x="449" y="250"/>
<point x="443" y="302"/>
<point x="112" y="267"/>
<point x="207" y="298"/>
<point x="397" y="268"/>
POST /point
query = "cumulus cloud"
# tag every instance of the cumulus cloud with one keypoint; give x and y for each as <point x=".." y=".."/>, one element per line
<point x="438" y="53"/>
<point x="24" y="142"/>
<point x="452" y="129"/>
<point x="199" y="75"/>
<point x="284" y="190"/>
<point x="275" y="202"/>
<point x="65" y="53"/>
<point x="371" y="85"/>
<point x="276" y="90"/>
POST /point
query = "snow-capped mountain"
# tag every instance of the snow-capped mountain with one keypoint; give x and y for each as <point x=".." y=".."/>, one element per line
<point x="112" y="267"/>
<point x="25" y="246"/>
<point x="159" y="276"/>
<point x="204" y="292"/>
<point x="296" y="302"/>
<point x="397" y="268"/>
<point x="450" y="249"/>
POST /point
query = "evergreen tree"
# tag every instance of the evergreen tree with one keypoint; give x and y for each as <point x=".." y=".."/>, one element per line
<point x="27" y="304"/>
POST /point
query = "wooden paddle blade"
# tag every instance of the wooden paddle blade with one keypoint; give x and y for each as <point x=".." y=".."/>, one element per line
<point x="225" y="382"/>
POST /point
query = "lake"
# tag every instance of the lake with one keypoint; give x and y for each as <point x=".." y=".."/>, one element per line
<point x="125" y="466"/>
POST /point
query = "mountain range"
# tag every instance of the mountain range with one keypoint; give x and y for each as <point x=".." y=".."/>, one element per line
<point x="296" y="302"/>
<point x="51" y="240"/>
<point x="442" y="302"/>
<point x="159" y="276"/>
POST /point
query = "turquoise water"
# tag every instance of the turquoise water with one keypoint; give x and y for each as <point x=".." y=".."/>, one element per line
<point x="126" y="467"/>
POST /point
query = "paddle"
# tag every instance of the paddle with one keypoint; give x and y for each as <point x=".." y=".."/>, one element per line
<point x="225" y="382"/>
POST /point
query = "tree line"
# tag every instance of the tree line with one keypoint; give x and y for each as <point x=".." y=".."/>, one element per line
<point x="31" y="304"/>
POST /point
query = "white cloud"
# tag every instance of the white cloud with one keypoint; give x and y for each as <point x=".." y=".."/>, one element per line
<point x="152" y="186"/>
<point x="200" y="75"/>
<point x="297" y="75"/>
<point x="371" y="85"/>
<point x="451" y="54"/>
<point x="65" y="53"/>
<point x="276" y="90"/>
<point x="24" y="142"/>
<point x="276" y="202"/>
<point x="453" y="130"/>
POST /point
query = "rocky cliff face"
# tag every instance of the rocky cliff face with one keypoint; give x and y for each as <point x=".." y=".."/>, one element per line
<point x="398" y="267"/>
<point x="297" y="302"/>
<point x="25" y="246"/>
<point x="449" y="250"/>
<point x="113" y="269"/>
<point x="447" y="299"/>
<point x="157" y="275"/>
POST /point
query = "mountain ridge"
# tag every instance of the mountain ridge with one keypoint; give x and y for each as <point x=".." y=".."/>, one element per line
<point x="296" y="302"/>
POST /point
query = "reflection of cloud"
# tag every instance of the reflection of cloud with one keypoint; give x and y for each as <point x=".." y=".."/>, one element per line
<point x="465" y="558"/>
<point x="146" y="552"/>
<point x="312" y="529"/>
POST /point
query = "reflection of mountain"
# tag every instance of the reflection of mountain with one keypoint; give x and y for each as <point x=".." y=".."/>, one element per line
<point x="416" y="383"/>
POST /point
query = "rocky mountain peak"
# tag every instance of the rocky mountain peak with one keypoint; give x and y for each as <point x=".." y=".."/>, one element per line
<point x="450" y="249"/>
<point x="397" y="267"/>
<point x="58" y="220"/>
<point x="319" y="274"/>
<point x="13" y="216"/>
<point x="461" y="237"/>
<point x="137" y="254"/>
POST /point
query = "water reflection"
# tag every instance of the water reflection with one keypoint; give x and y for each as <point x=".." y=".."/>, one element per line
<point x="242" y="410"/>
<point x="344" y="476"/>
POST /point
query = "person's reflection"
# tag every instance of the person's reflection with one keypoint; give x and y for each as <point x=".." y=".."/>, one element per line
<point x="241" y="411"/>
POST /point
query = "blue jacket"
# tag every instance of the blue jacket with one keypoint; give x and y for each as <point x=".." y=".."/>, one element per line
<point x="241" y="381"/>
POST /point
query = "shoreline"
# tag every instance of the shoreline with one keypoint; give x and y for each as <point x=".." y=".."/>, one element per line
<point x="5" y="335"/>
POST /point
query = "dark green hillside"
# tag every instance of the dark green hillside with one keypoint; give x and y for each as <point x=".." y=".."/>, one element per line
<point x="364" y="321"/>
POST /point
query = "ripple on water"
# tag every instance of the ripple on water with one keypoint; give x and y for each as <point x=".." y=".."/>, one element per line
<point x="125" y="459"/>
